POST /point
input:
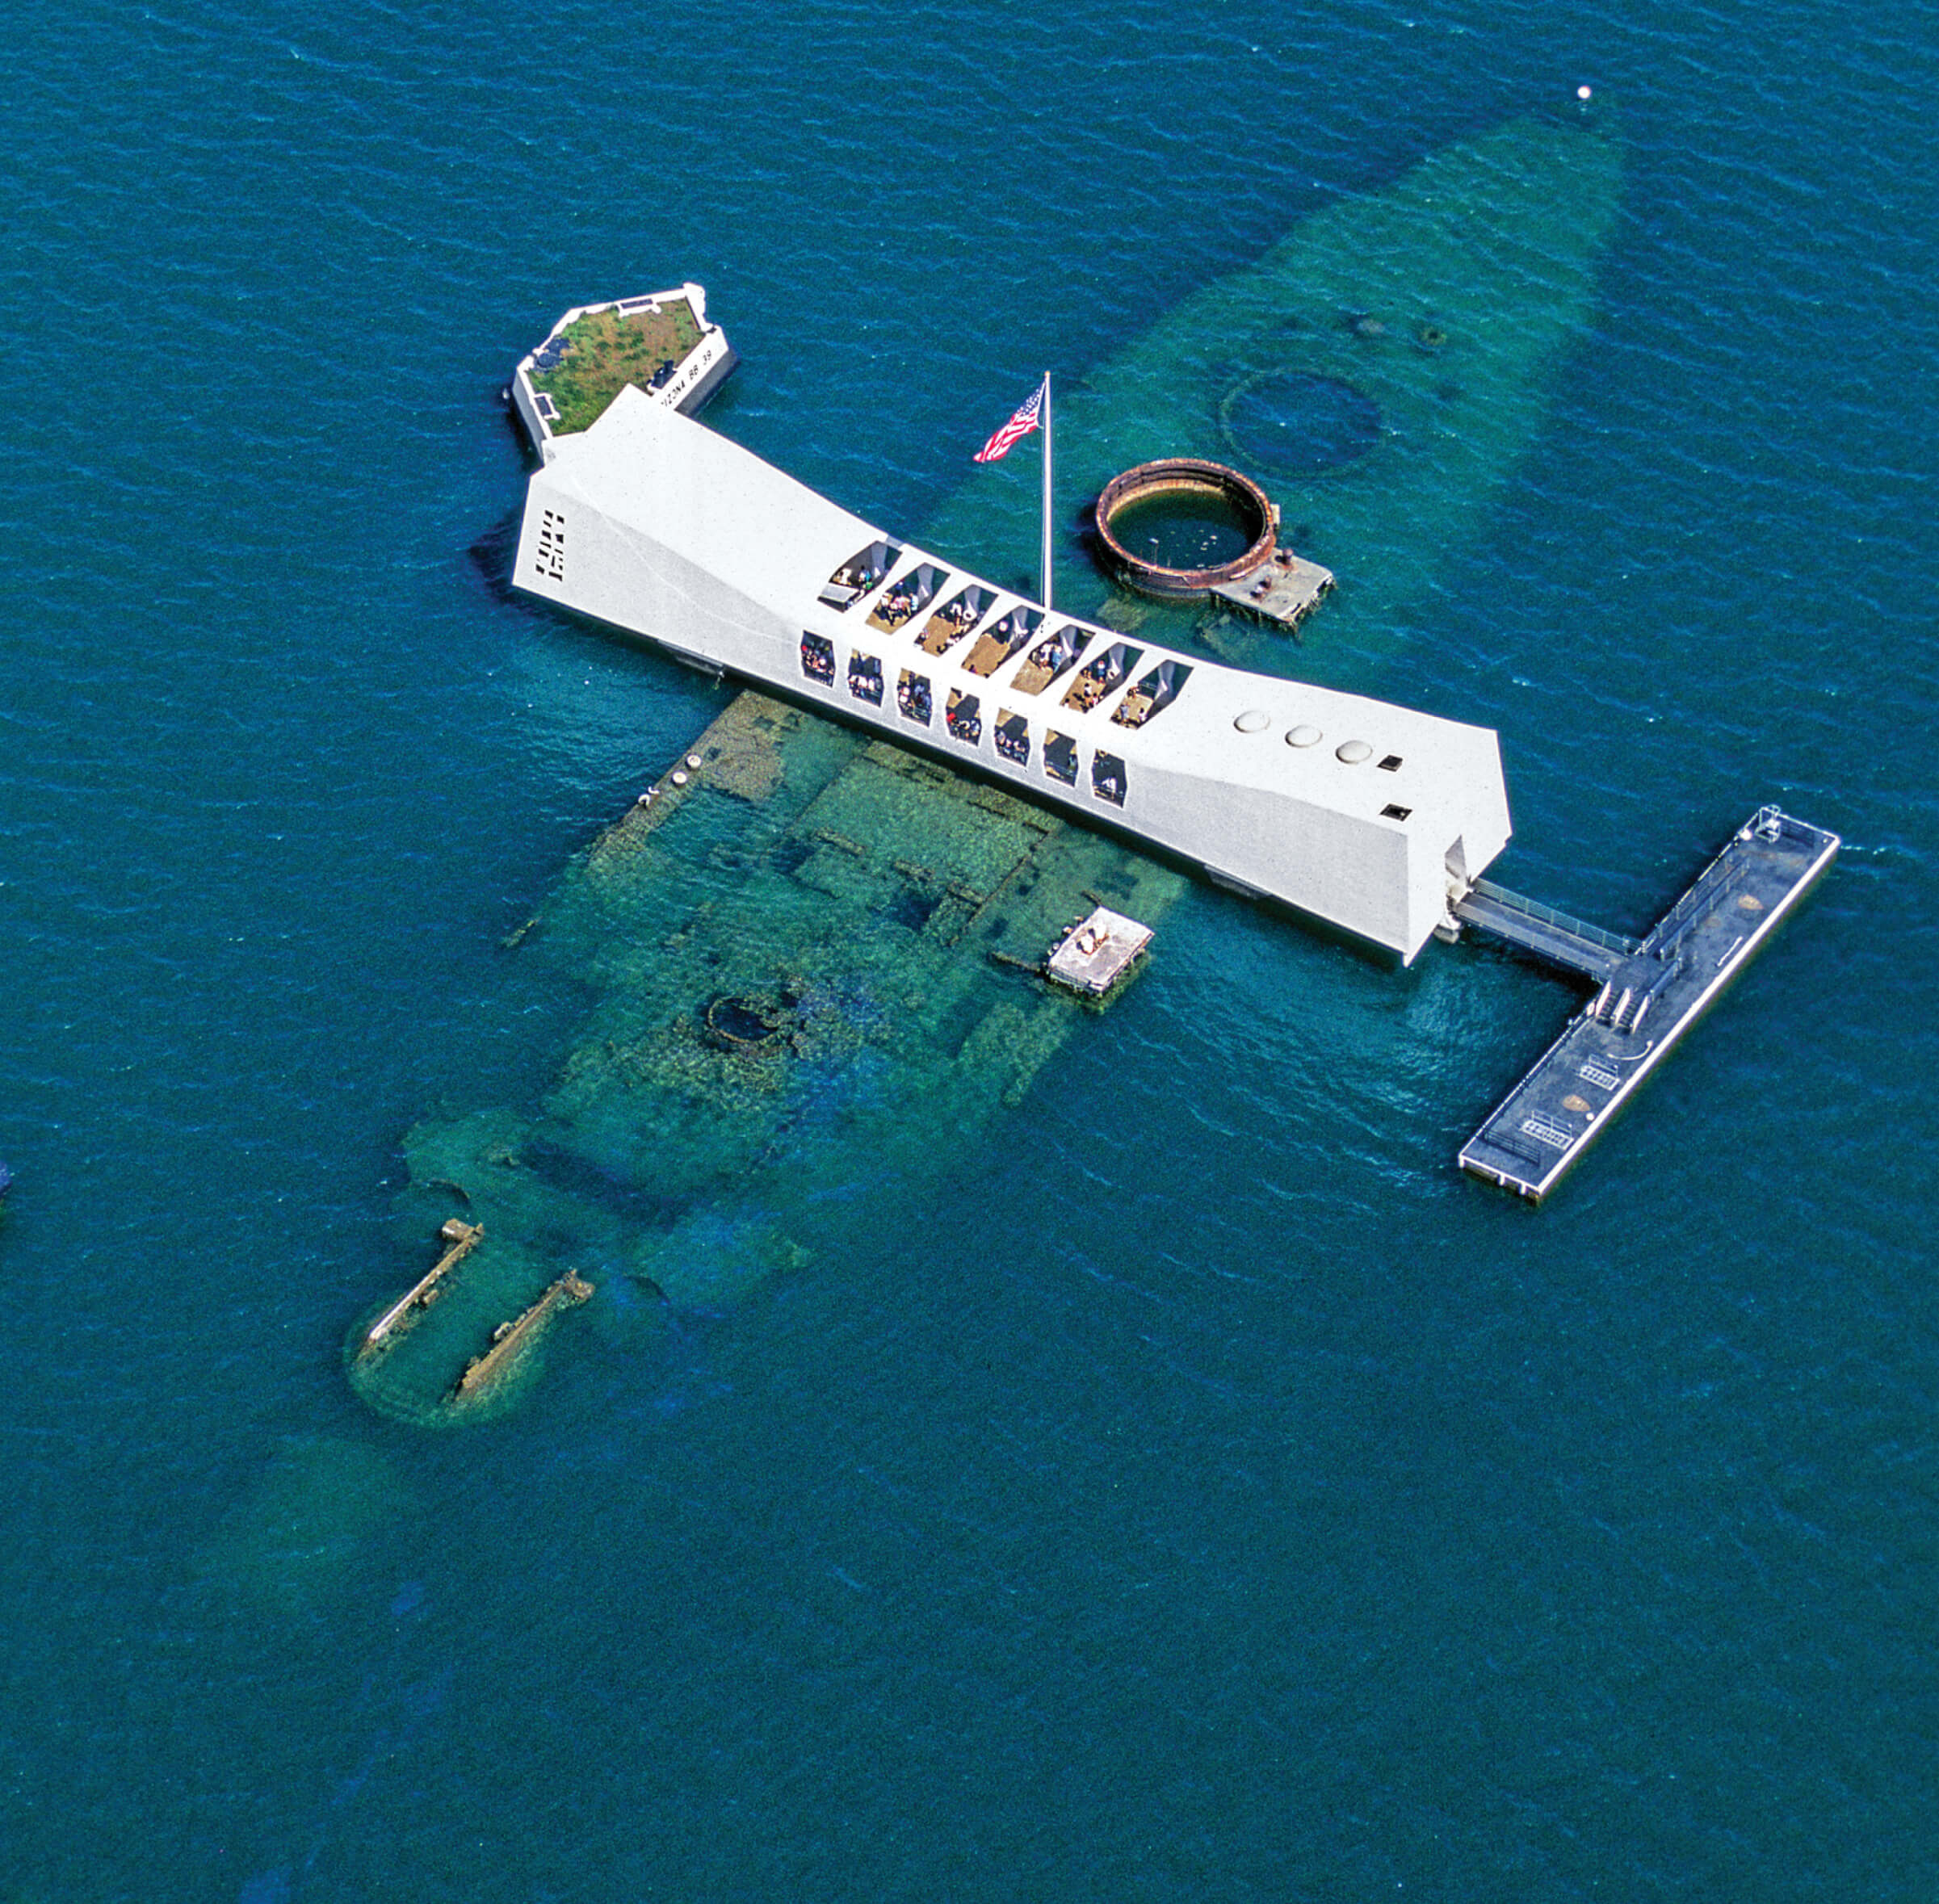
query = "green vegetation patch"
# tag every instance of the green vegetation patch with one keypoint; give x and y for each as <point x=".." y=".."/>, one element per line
<point x="607" y="350"/>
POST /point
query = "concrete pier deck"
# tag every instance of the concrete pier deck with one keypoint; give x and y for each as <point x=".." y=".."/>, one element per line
<point x="1285" y="589"/>
<point x="1649" y="994"/>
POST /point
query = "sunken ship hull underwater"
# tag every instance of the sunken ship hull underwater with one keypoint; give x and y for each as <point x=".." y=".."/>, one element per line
<point x="815" y="948"/>
<point x="813" y="962"/>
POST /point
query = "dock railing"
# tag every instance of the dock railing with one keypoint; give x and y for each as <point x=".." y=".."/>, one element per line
<point x="1550" y="934"/>
<point x="1579" y="928"/>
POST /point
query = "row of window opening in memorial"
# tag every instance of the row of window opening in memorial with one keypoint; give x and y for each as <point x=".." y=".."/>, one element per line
<point x="1052" y="656"/>
<point x="963" y="718"/>
<point x="548" y="557"/>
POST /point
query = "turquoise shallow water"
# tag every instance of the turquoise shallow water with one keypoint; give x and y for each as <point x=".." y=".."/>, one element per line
<point x="1213" y="1495"/>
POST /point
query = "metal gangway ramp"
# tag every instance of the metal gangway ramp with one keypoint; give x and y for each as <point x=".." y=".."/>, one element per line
<point x="1540" y="929"/>
<point x="1649" y="992"/>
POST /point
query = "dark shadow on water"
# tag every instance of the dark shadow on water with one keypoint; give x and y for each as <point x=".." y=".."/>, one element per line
<point x="1294" y="423"/>
<point x="605" y="1189"/>
<point x="494" y="555"/>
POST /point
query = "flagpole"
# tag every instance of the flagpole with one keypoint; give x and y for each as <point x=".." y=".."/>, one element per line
<point x="1047" y="489"/>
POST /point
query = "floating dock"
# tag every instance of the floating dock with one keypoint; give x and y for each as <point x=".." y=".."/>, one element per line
<point x="1649" y="992"/>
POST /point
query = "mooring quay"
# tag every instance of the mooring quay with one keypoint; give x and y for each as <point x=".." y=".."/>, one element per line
<point x="1648" y="992"/>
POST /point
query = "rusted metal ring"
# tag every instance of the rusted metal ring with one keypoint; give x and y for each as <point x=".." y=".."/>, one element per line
<point x="1190" y="475"/>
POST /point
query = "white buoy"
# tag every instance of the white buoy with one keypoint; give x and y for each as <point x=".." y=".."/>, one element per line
<point x="1583" y="92"/>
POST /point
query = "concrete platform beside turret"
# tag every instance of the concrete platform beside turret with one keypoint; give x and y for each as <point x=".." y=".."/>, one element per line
<point x="1285" y="589"/>
<point x="1097" y="952"/>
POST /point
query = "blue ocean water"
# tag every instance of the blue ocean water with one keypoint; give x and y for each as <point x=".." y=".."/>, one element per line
<point x="1214" y="1496"/>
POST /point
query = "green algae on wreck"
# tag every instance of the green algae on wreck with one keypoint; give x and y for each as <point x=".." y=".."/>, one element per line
<point x="805" y="961"/>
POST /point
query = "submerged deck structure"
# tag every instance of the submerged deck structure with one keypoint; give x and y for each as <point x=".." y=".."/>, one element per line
<point x="1648" y="993"/>
<point x="1285" y="589"/>
<point x="1372" y="817"/>
<point x="514" y="1338"/>
<point x="460" y="1239"/>
<point x="811" y="963"/>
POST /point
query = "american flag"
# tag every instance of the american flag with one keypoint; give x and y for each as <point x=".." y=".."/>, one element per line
<point x="1027" y="419"/>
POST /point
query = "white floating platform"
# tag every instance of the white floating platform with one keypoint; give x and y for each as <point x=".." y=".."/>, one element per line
<point x="1097" y="952"/>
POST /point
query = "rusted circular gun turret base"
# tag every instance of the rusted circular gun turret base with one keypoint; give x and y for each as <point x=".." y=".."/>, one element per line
<point x="1190" y="476"/>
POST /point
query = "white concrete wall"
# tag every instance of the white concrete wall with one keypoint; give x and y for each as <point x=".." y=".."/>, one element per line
<point x="675" y="534"/>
